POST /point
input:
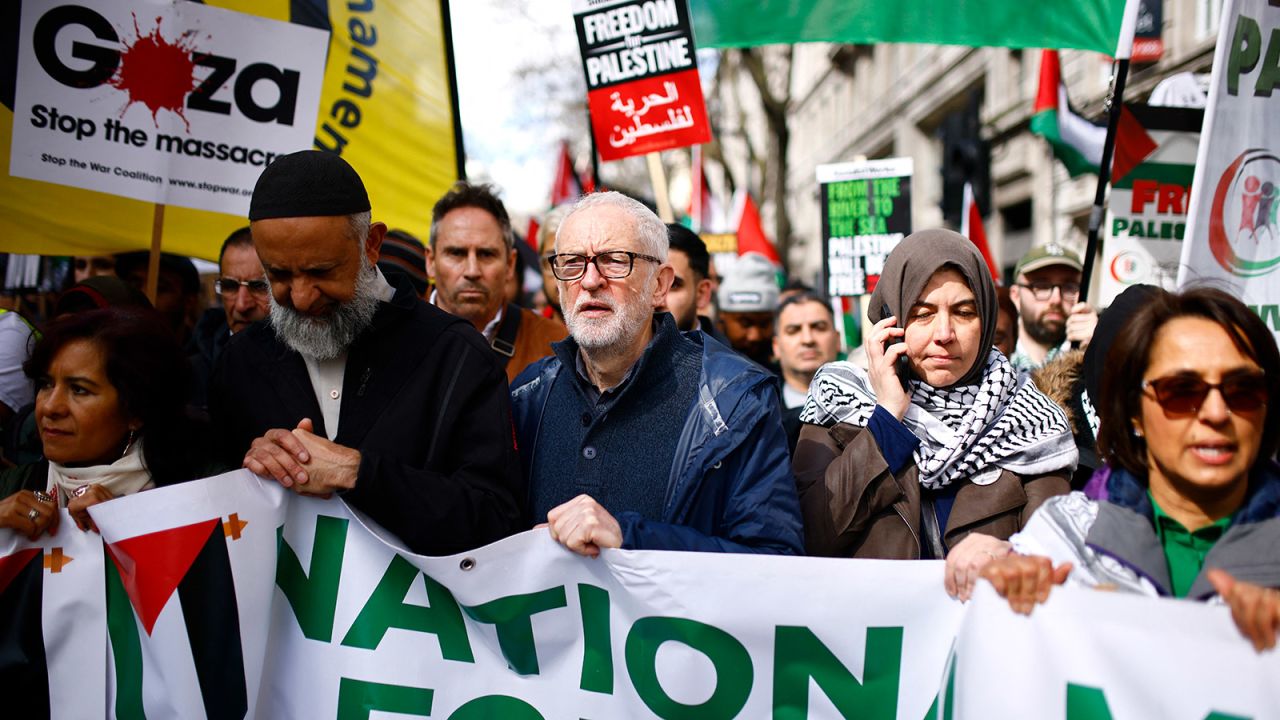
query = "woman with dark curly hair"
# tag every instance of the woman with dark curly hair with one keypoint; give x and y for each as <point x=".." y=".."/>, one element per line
<point x="111" y="413"/>
<point x="1193" y="498"/>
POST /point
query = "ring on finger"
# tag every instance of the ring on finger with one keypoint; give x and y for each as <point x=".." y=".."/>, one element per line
<point x="81" y="490"/>
<point x="43" y="496"/>
<point x="33" y="514"/>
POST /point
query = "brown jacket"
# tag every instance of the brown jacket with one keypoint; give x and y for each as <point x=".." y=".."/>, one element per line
<point x="533" y="341"/>
<point x="854" y="507"/>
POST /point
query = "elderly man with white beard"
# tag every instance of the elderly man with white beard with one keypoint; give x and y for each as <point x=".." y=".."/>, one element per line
<point x="635" y="435"/>
<point x="359" y="388"/>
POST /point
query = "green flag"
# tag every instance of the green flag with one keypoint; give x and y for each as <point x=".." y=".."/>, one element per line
<point x="1082" y="24"/>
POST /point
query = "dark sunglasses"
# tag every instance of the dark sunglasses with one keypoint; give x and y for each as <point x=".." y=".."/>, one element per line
<point x="1184" y="394"/>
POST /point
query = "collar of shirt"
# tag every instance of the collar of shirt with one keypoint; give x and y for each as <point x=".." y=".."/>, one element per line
<point x="1184" y="549"/>
<point x="661" y="329"/>
<point x="490" y="330"/>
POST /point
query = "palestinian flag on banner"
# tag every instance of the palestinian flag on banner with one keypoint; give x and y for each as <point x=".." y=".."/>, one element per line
<point x="52" y="636"/>
<point x="1076" y="141"/>
<point x="172" y="616"/>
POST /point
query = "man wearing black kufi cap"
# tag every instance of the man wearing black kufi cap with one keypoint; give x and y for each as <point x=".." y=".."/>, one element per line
<point x="356" y="386"/>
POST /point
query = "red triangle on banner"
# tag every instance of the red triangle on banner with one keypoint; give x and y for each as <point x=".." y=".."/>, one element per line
<point x="152" y="565"/>
<point x="1133" y="145"/>
<point x="11" y="565"/>
<point x="751" y="237"/>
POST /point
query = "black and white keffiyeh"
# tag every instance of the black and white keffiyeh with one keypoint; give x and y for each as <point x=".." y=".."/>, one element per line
<point x="1002" y="422"/>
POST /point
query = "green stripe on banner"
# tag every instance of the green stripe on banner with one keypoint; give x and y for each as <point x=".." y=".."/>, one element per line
<point x="358" y="698"/>
<point x="1163" y="173"/>
<point x="1081" y="24"/>
<point x="126" y="647"/>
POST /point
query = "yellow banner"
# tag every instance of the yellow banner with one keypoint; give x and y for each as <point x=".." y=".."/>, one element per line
<point x="385" y="106"/>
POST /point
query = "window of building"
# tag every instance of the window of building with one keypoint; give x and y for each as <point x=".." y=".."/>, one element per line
<point x="1208" y="15"/>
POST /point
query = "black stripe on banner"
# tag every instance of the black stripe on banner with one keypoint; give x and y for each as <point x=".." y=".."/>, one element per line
<point x="208" y="597"/>
<point x="24" y="670"/>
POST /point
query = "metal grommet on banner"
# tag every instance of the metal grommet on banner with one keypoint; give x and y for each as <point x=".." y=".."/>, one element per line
<point x="467" y="564"/>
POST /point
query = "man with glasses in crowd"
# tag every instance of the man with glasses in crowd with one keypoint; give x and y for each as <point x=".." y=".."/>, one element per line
<point x="1052" y="315"/>
<point x="242" y="287"/>
<point x="638" y="436"/>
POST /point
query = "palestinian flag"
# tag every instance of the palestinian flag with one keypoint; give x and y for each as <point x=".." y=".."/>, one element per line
<point x="1082" y="24"/>
<point x="704" y="212"/>
<point x="52" y="635"/>
<point x="751" y="237"/>
<point x="1076" y="141"/>
<point x="147" y="627"/>
<point x="972" y="228"/>
<point x="24" y="672"/>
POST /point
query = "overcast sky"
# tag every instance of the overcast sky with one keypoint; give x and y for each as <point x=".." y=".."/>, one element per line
<point x="506" y="138"/>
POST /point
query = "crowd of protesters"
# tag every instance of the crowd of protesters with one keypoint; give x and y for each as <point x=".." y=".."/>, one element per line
<point x="1013" y="432"/>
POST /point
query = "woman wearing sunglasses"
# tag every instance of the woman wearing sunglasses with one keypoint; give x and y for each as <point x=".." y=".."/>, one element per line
<point x="940" y="449"/>
<point x="1189" y="427"/>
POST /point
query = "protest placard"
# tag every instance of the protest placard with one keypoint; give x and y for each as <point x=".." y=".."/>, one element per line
<point x="642" y="76"/>
<point x="385" y="106"/>
<point x="180" y="104"/>
<point x="866" y="212"/>
<point x="1147" y="209"/>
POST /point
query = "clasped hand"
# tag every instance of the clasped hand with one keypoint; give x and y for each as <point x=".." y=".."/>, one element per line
<point x="302" y="461"/>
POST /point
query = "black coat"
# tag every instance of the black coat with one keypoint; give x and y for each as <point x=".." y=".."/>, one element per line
<point x="425" y="403"/>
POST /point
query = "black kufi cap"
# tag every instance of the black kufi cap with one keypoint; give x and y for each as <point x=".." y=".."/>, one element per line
<point x="308" y="183"/>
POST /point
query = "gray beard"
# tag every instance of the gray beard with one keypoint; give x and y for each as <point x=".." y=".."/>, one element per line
<point x="326" y="338"/>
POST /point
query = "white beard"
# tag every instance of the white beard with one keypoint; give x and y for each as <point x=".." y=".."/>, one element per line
<point x="325" y="338"/>
<point x="626" y="322"/>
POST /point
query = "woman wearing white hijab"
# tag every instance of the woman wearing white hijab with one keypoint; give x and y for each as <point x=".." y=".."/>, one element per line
<point x="943" y="454"/>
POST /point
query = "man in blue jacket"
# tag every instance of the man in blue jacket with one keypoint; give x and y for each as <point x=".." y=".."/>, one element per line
<point x="636" y="435"/>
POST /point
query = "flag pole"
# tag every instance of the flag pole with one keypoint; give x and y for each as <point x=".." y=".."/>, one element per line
<point x="153" y="260"/>
<point x="1114" y="105"/>
<point x="1115" y="101"/>
<point x="659" y="179"/>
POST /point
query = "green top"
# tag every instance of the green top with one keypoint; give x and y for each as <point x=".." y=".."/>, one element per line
<point x="1185" y="550"/>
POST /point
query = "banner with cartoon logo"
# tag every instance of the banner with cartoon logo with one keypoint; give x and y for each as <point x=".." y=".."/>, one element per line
<point x="108" y="107"/>
<point x="1147" y="210"/>
<point x="1235" y="235"/>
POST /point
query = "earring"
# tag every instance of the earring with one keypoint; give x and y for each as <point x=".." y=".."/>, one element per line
<point x="133" y="434"/>
<point x="1136" y="432"/>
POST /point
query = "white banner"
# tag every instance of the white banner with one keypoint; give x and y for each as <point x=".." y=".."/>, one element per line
<point x="236" y="598"/>
<point x="168" y="102"/>
<point x="1233" y="228"/>
<point x="1093" y="655"/>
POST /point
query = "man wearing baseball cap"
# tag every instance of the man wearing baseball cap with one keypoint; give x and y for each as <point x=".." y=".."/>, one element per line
<point x="1051" y="313"/>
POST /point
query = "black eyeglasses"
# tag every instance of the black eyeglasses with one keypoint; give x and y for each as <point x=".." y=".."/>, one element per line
<point x="1043" y="290"/>
<point x="615" y="264"/>
<point x="231" y="286"/>
<point x="1184" y="394"/>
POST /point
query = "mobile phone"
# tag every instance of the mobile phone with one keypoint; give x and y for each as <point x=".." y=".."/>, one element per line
<point x="901" y="366"/>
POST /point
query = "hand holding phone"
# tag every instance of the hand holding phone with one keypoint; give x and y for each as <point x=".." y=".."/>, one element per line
<point x="901" y="366"/>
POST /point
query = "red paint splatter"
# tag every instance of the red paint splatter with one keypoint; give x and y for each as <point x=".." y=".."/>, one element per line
<point x="156" y="72"/>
